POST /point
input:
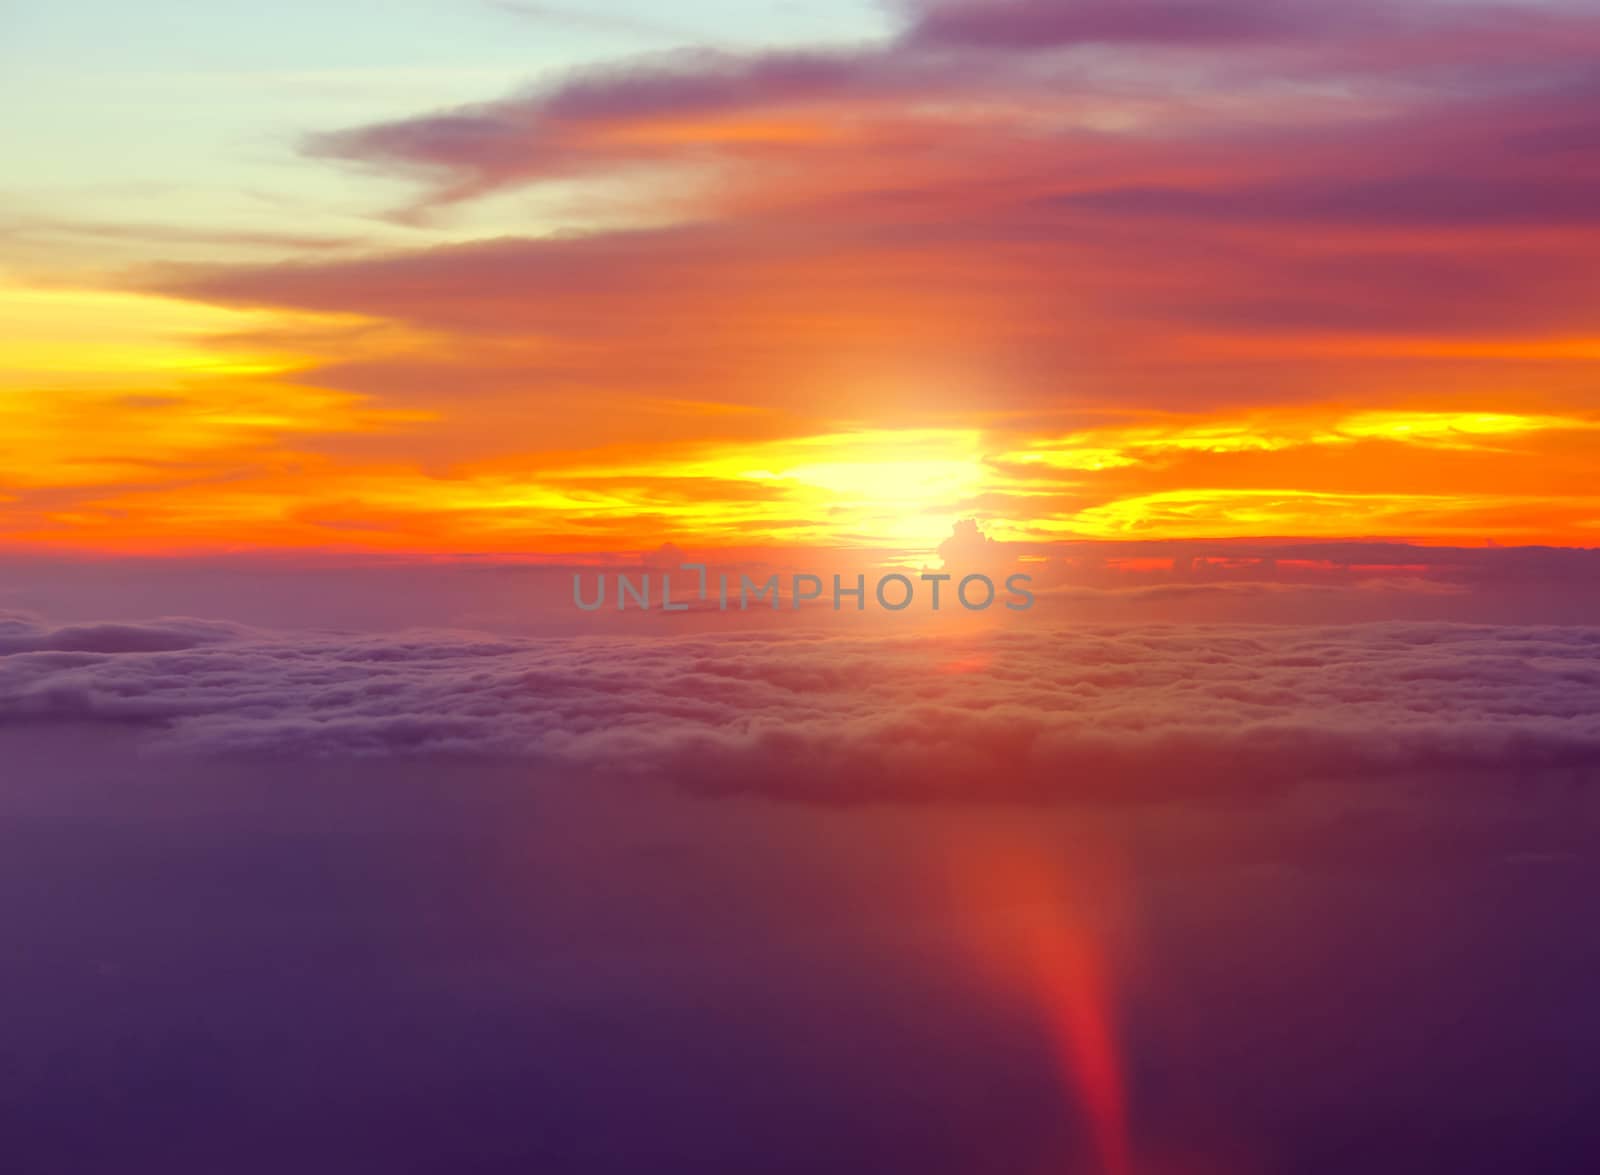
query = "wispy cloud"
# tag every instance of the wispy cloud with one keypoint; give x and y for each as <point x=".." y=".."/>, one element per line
<point x="1160" y="269"/>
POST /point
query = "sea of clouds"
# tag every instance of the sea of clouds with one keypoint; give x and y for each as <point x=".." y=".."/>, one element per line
<point x="1148" y="712"/>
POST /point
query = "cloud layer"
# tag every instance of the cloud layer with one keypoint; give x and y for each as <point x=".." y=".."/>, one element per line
<point x="1169" y="251"/>
<point x="1154" y="713"/>
<point x="1075" y="268"/>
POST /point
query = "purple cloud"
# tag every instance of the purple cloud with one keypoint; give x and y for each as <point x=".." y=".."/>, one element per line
<point x="1107" y="714"/>
<point x="1307" y="174"/>
<point x="1039" y="24"/>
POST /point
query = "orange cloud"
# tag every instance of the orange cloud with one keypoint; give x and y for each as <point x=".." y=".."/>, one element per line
<point x="1073" y="271"/>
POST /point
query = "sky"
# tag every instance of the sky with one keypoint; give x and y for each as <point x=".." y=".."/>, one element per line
<point x="347" y="348"/>
<point x="477" y="277"/>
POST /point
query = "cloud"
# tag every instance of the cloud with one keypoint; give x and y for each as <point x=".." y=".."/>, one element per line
<point x="999" y="213"/>
<point x="969" y="549"/>
<point x="952" y="200"/>
<point x="1154" y="713"/>
<point x="1022" y="25"/>
<point x="967" y="76"/>
<point x="582" y="124"/>
<point x="20" y="633"/>
<point x="1364" y="36"/>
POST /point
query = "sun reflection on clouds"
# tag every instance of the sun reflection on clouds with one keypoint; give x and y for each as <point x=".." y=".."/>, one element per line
<point x="1103" y="448"/>
<point x="100" y="338"/>
<point x="174" y="392"/>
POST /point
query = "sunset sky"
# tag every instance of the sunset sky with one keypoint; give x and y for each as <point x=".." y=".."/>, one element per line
<point x="438" y="277"/>
<point x="349" y="347"/>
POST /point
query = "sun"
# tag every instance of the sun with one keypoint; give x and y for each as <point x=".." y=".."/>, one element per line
<point x="875" y="487"/>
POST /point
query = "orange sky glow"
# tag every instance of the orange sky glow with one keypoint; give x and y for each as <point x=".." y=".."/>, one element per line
<point x="843" y="297"/>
